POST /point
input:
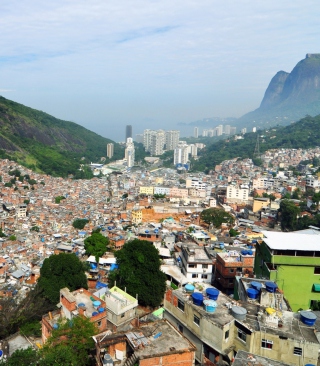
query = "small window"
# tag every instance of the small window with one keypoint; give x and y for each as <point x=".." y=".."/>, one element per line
<point x="204" y="266"/>
<point x="196" y="320"/>
<point x="242" y="335"/>
<point x="123" y="315"/>
<point x="180" y="305"/>
<point x="266" y="344"/>
<point x="297" y="351"/>
<point x="204" y="276"/>
<point x="226" y="334"/>
<point x="231" y="270"/>
<point x="316" y="270"/>
<point x="180" y="328"/>
<point x="194" y="275"/>
<point x="192" y="265"/>
<point x="99" y="323"/>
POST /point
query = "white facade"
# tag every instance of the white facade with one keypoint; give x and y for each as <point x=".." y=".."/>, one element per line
<point x="196" y="132"/>
<point x="237" y="193"/>
<point x="162" y="190"/>
<point x="110" y="150"/>
<point x="172" y="139"/>
<point x="181" y="155"/>
<point x="129" y="152"/>
<point x="313" y="182"/>
<point x="195" y="183"/>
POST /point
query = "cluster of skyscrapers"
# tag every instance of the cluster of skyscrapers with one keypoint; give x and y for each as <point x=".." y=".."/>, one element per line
<point x="157" y="141"/>
<point x="216" y="131"/>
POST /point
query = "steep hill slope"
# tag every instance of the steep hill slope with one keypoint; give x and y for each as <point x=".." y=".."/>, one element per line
<point x="302" y="134"/>
<point x="289" y="96"/>
<point x="45" y="143"/>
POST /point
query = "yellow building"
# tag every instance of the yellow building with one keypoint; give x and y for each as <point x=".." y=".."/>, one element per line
<point x="136" y="216"/>
<point x="260" y="202"/>
<point x="146" y="190"/>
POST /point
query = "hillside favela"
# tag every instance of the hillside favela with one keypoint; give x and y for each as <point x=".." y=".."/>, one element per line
<point x="151" y="212"/>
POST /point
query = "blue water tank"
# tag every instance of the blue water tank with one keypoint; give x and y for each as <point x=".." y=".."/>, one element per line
<point x="210" y="306"/>
<point x="256" y="285"/>
<point x="1" y="353"/>
<point x="81" y="305"/>
<point x="55" y="326"/>
<point x="221" y="245"/>
<point x="244" y="252"/>
<point x="197" y="298"/>
<point x="96" y="304"/>
<point x="42" y="239"/>
<point x="114" y="266"/>
<point x="212" y="293"/>
<point x="189" y="288"/>
<point x="109" y="228"/>
<point x="95" y="313"/>
<point x="252" y="293"/>
<point x="271" y="286"/>
<point x="308" y="317"/>
<point x="93" y="265"/>
<point x="101" y="310"/>
<point x="147" y="231"/>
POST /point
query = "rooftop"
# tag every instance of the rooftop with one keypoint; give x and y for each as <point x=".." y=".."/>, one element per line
<point x="291" y="241"/>
<point x="244" y="358"/>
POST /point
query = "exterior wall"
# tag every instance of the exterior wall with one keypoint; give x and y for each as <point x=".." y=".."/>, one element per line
<point x="162" y="190"/>
<point x="282" y="349"/>
<point x="208" y="332"/>
<point x="197" y="192"/>
<point x="258" y="204"/>
<point x="136" y="216"/>
<point x="146" y="190"/>
<point x="177" y="192"/>
<point x="293" y="274"/>
<point x="177" y="359"/>
<point x="234" y="192"/>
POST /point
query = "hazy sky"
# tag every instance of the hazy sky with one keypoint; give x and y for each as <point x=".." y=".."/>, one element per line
<point x="107" y="63"/>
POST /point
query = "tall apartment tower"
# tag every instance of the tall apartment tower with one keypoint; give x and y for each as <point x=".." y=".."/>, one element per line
<point x="196" y="132"/>
<point x="181" y="155"/>
<point x="129" y="152"/>
<point x="110" y="150"/>
<point x="128" y="131"/>
<point x="172" y="139"/>
<point x="157" y="143"/>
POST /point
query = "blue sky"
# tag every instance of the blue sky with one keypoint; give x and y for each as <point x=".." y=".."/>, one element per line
<point x="107" y="63"/>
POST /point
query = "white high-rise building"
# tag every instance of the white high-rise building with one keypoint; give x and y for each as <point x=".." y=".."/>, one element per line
<point x="196" y="132"/>
<point x="129" y="152"/>
<point x="227" y="129"/>
<point x="181" y="155"/>
<point x="193" y="150"/>
<point x="172" y="139"/>
<point x="110" y="150"/>
<point x="219" y="130"/>
<point x="157" y="142"/>
<point x="147" y="139"/>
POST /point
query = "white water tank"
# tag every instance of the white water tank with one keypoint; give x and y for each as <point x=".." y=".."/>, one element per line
<point x="107" y="360"/>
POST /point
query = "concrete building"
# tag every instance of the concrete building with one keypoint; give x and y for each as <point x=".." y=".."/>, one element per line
<point x="181" y="155"/>
<point x="153" y="343"/>
<point x="172" y="139"/>
<point x="136" y="216"/>
<point x="292" y="261"/>
<point x="196" y="132"/>
<point x="237" y="194"/>
<point x="129" y="152"/>
<point x="110" y="150"/>
<point x="128" y="132"/>
<point x="196" y="263"/>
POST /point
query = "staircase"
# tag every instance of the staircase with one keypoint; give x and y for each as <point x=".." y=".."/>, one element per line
<point x="131" y="360"/>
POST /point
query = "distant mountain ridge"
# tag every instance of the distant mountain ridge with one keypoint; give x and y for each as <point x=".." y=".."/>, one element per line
<point x="45" y="143"/>
<point x="289" y="96"/>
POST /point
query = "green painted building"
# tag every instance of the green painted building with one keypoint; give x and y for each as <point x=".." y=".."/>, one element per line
<point x="292" y="260"/>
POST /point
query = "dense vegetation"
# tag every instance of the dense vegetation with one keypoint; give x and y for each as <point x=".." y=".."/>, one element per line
<point x="302" y="134"/>
<point x="139" y="272"/>
<point x="39" y="141"/>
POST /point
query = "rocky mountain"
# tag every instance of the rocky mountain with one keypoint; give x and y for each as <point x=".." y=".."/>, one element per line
<point x="47" y="144"/>
<point x="289" y="96"/>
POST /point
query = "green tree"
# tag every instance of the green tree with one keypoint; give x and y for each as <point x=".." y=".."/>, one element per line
<point x="58" y="199"/>
<point x="12" y="237"/>
<point x="233" y="232"/>
<point x="59" y="271"/>
<point x="79" y="223"/>
<point x="139" y="272"/>
<point x="216" y="216"/>
<point x="32" y="328"/>
<point x="289" y="215"/>
<point x="70" y="344"/>
<point x="96" y="244"/>
<point x="35" y="228"/>
<point x="22" y="357"/>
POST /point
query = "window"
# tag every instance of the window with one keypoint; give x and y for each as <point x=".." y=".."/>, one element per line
<point x="99" y="323"/>
<point x="204" y="276"/>
<point x="192" y="265"/>
<point x="316" y="270"/>
<point x="123" y="315"/>
<point x="180" y="305"/>
<point x="194" y="275"/>
<point x="266" y="344"/>
<point x="196" y="320"/>
<point x="204" y="266"/>
<point x="226" y="334"/>
<point x="231" y="270"/>
<point x="180" y="328"/>
<point x="242" y="335"/>
<point x="297" y="351"/>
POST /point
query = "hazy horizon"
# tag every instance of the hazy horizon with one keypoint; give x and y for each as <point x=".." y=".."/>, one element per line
<point x="151" y="64"/>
